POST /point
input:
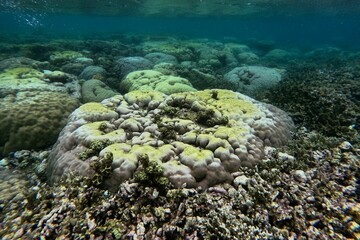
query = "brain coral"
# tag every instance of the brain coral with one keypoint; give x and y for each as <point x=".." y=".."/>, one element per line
<point x="199" y="138"/>
<point x="154" y="80"/>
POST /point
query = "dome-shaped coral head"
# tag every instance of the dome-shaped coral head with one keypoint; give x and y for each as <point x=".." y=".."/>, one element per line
<point x="197" y="139"/>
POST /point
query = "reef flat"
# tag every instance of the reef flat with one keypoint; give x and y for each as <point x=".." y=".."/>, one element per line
<point x="145" y="137"/>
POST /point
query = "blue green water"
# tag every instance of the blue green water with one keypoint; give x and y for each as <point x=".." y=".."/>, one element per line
<point x="286" y="29"/>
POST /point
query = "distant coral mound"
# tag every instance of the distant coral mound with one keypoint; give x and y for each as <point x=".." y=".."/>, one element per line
<point x="126" y="65"/>
<point x="250" y="80"/>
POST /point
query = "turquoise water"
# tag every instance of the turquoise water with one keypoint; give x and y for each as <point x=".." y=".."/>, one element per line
<point x="339" y="27"/>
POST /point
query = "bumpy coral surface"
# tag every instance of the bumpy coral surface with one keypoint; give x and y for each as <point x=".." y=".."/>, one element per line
<point x="94" y="90"/>
<point x="127" y="65"/>
<point x="154" y="80"/>
<point x="93" y="72"/>
<point x="33" y="120"/>
<point x="199" y="138"/>
<point x="158" y="57"/>
<point x="64" y="56"/>
<point x="253" y="79"/>
<point x="30" y="114"/>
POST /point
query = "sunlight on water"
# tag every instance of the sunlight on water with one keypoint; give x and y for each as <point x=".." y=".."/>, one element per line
<point x="24" y="15"/>
<point x="184" y="7"/>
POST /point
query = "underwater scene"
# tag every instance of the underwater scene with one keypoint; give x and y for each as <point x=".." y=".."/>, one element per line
<point x="202" y="119"/>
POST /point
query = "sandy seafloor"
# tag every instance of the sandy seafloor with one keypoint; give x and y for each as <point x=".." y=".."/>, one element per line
<point x="307" y="189"/>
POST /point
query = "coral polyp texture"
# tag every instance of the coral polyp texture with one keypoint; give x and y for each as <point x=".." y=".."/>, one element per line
<point x="196" y="138"/>
<point x="30" y="114"/>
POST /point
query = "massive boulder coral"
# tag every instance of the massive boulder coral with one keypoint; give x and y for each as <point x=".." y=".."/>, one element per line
<point x="158" y="57"/>
<point x="33" y="110"/>
<point x="61" y="57"/>
<point x="251" y="80"/>
<point x="70" y="61"/>
<point x="125" y="65"/>
<point x="198" y="138"/>
<point x="154" y="80"/>
<point x="93" y="72"/>
<point x="94" y="90"/>
<point x="181" y="50"/>
<point x="17" y="62"/>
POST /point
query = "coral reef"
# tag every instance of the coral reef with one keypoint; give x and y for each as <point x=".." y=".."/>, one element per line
<point x="198" y="138"/>
<point x="146" y="165"/>
<point x="93" y="72"/>
<point x="247" y="58"/>
<point x="181" y="51"/>
<point x="70" y="61"/>
<point x="60" y="58"/>
<point x="154" y="80"/>
<point x="21" y="62"/>
<point x="124" y="66"/>
<point x="265" y="203"/>
<point x="279" y="56"/>
<point x="331" y="98"/>
<point x="251" y="80"/>
<point x="30" y="110"/>
<point x="33" y="120"/>
<point x="158" y="57"/>
<point x="94" y="90"/>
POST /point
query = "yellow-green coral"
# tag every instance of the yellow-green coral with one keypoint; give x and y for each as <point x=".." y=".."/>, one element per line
<point x="62" y="56"/>
<point x="93" y="111"/>
<point x="195" y="156"/>
<point x="224" y="101"/>
<point x="123" y="151"/>
<point x="146" y="80"/>
<point x="21" y="73"/>
<point x="93" y="107"/>
<point x="93" y="132"/>
<point x="21" y="78"/>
